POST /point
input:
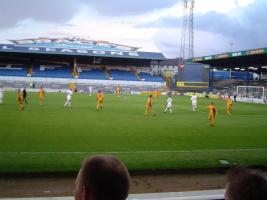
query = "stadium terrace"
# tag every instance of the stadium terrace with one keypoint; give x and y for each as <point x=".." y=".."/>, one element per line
<point x="77" y="47"/>
<point x="55" y="62"/>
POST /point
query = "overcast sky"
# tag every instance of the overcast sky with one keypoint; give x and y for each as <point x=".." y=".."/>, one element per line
<point x="153" y="25"/>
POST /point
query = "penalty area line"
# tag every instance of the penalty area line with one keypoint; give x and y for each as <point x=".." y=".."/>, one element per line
<point x="134" y="152"/>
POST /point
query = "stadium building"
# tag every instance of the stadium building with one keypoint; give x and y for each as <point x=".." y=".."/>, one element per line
<point x="57" y="62"/>
<point x="246" y="66"/>
<point x="187" y="77"/>
<point x="225" y="71"/>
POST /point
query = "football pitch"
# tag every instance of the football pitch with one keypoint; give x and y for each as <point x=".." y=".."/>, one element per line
<point x="52" y="138"/>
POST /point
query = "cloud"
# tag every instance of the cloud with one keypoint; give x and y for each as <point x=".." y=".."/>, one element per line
<point x="244" y="27"/>
<point x="167" y="40"/>
<point x="62" y="11"/>
<point x="163" y="22"/>
<point x="128" y="8"/>
<point x="158" y="22"/>
<point x="54" y="11"/>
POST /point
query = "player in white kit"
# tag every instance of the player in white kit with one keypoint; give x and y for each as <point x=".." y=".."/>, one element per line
<point x="169" y="104"/>
<point x="90" y="90"/>
<point x="194" y="102"/>
<point x="1" y="95"/>
<point x="68" y="98"/>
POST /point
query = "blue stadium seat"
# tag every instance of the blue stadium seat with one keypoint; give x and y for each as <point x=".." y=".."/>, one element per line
<point x="150" y="78"/>
<point x="220" y="75"/>
<point x="13" y="70"/>
<point x="93" y="74"/>
<point x="224" y="75"/>
<point x="57" y="72"/>
<point x="122" y="75"/>
<point x="242" y="75"/>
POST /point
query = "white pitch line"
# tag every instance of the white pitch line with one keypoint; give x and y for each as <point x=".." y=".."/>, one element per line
<point x="191" y="195"/>
<point x="137" y="152"/>
<point x="199" y="197"/>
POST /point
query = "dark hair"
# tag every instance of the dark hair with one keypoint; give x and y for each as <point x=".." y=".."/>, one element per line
<point x="105" y="177"/>
<point x="245" y="184"/>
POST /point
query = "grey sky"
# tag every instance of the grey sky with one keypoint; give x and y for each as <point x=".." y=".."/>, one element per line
<point x="151" y="24"/>
<point x="244" y="28"/>
<point x="127" y="7"/>
<point x="60" y="11"/>
<point x="53" y="11"/>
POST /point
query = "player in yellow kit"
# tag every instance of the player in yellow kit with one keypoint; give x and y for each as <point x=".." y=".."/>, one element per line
<point x="149" y="109"/>
<point x="99" y="98"/>
<point x="20" y="100"/>
<point x="155" y="94"/>
<point x="118" y="91"/>
<point x="18" y="96"/>
<point x="212" y="112"/>
<point x="41" y="95"/>
<point x="228" y="105"/>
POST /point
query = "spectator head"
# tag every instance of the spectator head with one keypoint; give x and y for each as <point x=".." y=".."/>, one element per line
<point x="102" y="177"/>
<point x="244" y="184"/>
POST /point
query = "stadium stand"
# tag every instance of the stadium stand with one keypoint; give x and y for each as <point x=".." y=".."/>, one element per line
<point x="117" y="74"/>
<point x="92" y="74"/>
<point x="148" y="77"/>
<point x="51" y="71"/>
<point x="13" y="70"/>
<point x="107" y="74"/>
<point x="220" y="75"/>
<point x="57" y="77"/>
<point x="191" y="73"/>
<point x="225" y="83"/>
<point x="83" y="62"/>
<point x="58" y="84"/>
<point x="137" y="76"/>
<point x="242" y="75"/>
<point x="224" y="75"/>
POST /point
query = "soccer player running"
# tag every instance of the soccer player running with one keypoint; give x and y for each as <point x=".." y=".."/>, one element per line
<point x="212" y="112"/>
<point x="194" y="102"/>
<point x="169" y="104"/>
<point x="41" y="95"/>
<point x="18" y="96"/>
<point x="149" y="109"/>
<point x="68" y="98"/>
<point x="1" y="95"/>
<point x="228" y="105"/>
<point x="20" y="100"/>
<point x="99" y="99"/>
<point x="155" y="94"/>
<point x="25" y="95"/>
<point x="118" y="91"/>
<point x="90" y="90"/>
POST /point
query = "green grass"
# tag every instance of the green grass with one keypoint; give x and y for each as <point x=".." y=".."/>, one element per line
<point x="53" y="138"/>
